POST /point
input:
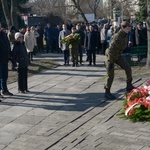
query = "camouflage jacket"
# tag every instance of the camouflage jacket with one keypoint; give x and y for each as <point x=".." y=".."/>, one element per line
<point x="117" y="45"/>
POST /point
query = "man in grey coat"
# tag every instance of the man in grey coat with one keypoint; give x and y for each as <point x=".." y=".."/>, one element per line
<point x="63" y="46"/>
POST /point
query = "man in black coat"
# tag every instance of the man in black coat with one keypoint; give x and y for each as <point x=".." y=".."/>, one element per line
<point x="4" y="57"/>
<point x="91" y="45"/>
<point x="40" y="38"/>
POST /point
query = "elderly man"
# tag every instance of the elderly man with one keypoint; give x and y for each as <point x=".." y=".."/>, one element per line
<point x="113" y="56"/>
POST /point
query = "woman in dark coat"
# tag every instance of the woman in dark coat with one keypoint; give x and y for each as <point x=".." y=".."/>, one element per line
<point x="21" y="61"/>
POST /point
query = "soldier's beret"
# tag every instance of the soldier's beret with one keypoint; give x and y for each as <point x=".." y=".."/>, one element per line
<point x="126" y="24"/>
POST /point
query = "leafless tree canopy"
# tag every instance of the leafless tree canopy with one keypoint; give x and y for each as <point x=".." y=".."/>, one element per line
<point x="10" y="14"/>
<point x="71" y="10"/>
<point x="44" y="7"/>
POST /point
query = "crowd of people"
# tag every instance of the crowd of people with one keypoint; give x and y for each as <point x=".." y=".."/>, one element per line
<point x="20" y="46"/>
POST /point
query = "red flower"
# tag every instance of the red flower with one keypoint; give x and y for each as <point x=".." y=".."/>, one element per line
<point x="137" y="93"/>
<point x="138" y="96"/>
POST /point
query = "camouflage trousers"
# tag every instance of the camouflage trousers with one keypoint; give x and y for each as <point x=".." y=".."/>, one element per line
<point x="74" y="54"/>
<point x="110" y="71"/>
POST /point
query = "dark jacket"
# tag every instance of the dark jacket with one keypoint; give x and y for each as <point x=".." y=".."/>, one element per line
<point x="5" y="49"/>
<point x="141" y="36"/>
<point x="48" y="35"/>
<point x="41" y="33"/>
<point x="91" y="40"/>
<point x="85" y="39"/>
<point x="19" y="55"/>
<point x="82" y="36"/>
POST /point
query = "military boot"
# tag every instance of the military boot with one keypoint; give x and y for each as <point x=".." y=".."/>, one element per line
<point x="129" y="87"/>
<point x="108" y="95"/>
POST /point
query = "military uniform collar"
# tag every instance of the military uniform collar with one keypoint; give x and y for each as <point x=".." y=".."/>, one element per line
<point x="123" y="33"/>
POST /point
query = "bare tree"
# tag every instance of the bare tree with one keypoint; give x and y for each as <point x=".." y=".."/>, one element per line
<point x="127" y="7"/>
<point x="77" y="5"/>
<point x="94" y="5"/>
<point x="13" y="11"/>
<point x="10" y="14"/>
<point x="6" y="12"/>
<point x="44" y="7"/>
<point x="148" y="33"/>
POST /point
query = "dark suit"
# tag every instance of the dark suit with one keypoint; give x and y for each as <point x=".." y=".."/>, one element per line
<point x="91" y="44"/>
<point x="5" y="51"/>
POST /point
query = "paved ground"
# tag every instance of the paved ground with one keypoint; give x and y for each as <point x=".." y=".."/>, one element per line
<point x="66" y="110"/>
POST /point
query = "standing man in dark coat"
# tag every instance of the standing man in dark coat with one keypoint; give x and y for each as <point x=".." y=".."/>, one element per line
<point x="5" y="51"/>
<point x="48" y="34"/>
<point x="81" y="44"/>
<point x="39" y="39"/>
<point x="91" y="45"/>
<point x="141" y="35"/>
<point x="113" y="54"/>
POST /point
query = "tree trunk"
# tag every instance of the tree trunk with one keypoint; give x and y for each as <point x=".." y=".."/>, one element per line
<point x="14" y="13"/>
<point x="6" y="12"/>
<point x="79" y="9"/>
<point x="148" y="34"/>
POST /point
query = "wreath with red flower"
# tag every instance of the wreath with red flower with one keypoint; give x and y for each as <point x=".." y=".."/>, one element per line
<point x="137" y="104"/>
<point x="71" y="39"/>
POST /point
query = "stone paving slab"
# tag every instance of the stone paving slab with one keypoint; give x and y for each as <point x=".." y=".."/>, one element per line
<point x="66" y="110"/>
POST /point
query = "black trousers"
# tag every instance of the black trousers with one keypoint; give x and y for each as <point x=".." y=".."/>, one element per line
<point x="66" y="56"/>
<point x="80" y="53"/>
<point x="22" y="79"/>
<point x="40" y="44"/>
<point x="92" y="56"/>
<point x="30" y="56"/>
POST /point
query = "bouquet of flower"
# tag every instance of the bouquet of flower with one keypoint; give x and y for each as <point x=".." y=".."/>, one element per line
<point x="137" y="104"/>
<point x="71" y="39"/>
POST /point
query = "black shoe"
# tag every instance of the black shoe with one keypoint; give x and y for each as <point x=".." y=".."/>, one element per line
<point x="27" y="91"/>
<point x="64" y="64"/>
<point x="14" y="69"/>
<point x="89" y="64"/>
<point x="130" y="88"/>
<point x="21" y="91"/>
<point x="1" y="96"/>
<point x="73" y="65"/>
<point x="0" y="100"/>
<point x="109" y="96"/>
<point x="7" y="93"/>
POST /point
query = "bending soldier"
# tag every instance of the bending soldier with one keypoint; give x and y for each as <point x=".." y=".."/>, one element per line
<point x="113" y="55"/>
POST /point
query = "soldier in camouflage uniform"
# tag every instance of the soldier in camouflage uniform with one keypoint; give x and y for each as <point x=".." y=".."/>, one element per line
<point x="113" y="56"/>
